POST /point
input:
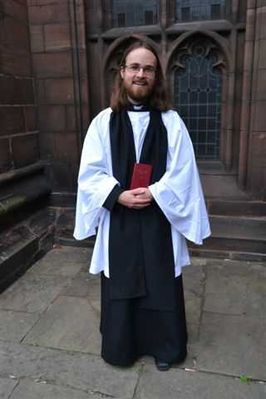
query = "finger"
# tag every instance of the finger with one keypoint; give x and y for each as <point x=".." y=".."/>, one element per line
<point x="139" y="190"/>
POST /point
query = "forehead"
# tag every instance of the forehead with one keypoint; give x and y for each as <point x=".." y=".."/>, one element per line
<point x="141" y="56"/>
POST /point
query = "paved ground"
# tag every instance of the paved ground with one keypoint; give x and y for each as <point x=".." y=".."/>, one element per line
<point x="50" y="343"/>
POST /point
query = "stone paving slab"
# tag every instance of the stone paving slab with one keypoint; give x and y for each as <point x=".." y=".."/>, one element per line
<point x="179" y="384"/>
<point x="83" y="285"/>
<point x="193" y="333"/>
<point x="70" y="323"/>
<point x="232" y="345"/>
<point x="15" y="325"/>
<point x="64" y="254"/>
<point x="79" y="371"/>
<point x="6" y="387"/>
<point x="27" y="389"/>
<point x="193" y="278"/>
<point x="55" y="309"/>
<point x="45" y="266"/>
<point x="193" y="306"/>
<point x="236" y="288"/>
<point x="32" y="293"/>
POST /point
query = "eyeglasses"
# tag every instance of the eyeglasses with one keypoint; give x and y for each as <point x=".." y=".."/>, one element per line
<point x="148" y="70"/>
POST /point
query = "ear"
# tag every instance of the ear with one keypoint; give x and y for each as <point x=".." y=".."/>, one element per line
<point x="122" y="72"/>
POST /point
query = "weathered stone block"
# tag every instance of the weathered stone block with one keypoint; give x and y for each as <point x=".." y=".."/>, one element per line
<point x="16" y="91"/>
<point x="52" y="65"/>
<point x="260" y="22"/>
<point x="37" y="38"/>
<point x="15" y="9"/>
<point x="59" y="91"/>
<point x="71" y="122"/>
<point x="250" y="21"/>
<point x="259" y="91"/>
<point x="257" y="160"/>
<point x="12" y="120"/>
<point x="30" y="114"/>
<point x="16" y="63"/>
<point x="41" y="13"/>
<point x="57" y="37"/>
<point x="47" y="145"/>
<point x="5" y="158"/>
<point x="65" y="175"/>
<point x="262" y="54"/>
<point x="14" y="34"/>
<point x="25" y="149"/>
<point x="258" y="117"/>
<point x="52" y="118"/>
<point x="63" y="142"/>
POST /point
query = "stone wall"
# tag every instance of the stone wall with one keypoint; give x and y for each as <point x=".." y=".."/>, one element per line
<point x="26" y="229"/>
<point x="256" y="177"/>
<point x="18" y="128"/>
<point x="59" y="65"/>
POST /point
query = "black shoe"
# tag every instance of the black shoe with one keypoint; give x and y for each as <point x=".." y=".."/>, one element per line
<point x="161" y="365"/>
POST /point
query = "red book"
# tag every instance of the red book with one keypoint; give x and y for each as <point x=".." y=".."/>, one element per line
<point x="141" y="175"/>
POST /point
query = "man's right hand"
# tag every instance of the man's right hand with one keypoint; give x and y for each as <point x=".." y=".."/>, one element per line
<point x="134" y="199"/>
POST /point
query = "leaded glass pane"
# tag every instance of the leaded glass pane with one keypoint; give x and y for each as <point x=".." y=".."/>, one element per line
<point x="191" y="10"/>
<point x="134" y="12"/>
<point x="197" y="93"/>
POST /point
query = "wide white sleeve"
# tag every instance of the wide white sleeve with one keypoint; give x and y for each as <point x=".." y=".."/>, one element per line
<point x="178" y="192"/>
<point x="95" y="180"/>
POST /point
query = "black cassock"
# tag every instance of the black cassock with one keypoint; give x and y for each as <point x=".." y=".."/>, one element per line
<point x="142" y="308"/>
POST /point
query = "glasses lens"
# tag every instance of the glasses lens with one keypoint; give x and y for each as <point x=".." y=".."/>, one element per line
<point x="135" y="68"/>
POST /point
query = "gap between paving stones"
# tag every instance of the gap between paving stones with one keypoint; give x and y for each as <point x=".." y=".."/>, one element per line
<point x="53" y="383"/>
<point x="140" y="370"/>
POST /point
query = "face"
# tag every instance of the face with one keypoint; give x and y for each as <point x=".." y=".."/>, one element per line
<point x="139" y="83"/>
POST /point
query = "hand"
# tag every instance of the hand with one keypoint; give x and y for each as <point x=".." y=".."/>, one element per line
<point x="136" y="199"/>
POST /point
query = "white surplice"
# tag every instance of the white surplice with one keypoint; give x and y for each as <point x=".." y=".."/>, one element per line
<point x="178" y="193"/>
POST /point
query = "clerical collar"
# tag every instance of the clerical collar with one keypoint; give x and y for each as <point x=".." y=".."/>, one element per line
<point x="138" y="107"/>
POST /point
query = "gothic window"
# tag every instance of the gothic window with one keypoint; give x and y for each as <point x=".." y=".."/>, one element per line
<point x="191" y="10"/>
<point x="134" y="13"/>
<point x="198" y="95"/>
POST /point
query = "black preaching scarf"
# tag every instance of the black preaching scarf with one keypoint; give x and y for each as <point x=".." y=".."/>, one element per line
<point x="140" y="242"/>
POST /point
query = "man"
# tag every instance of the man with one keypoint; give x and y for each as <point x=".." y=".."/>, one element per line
<point x="141" y="237"/>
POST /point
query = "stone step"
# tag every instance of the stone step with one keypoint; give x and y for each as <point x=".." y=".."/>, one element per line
<point x="231" y="248"/>
<point x="234" y="236"/>
<point x="236" y="208"/>
<point x="232" y="255"/>
<point x="23" y="244"/>
<point x="239" y="227"/>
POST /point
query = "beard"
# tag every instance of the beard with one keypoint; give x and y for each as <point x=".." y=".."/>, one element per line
<point x="138" y="90"/>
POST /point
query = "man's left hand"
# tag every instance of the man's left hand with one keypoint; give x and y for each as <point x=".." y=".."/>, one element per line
<point x="144" y="194"/>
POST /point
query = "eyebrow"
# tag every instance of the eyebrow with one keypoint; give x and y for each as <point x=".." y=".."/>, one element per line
<point x="146" y="65"/>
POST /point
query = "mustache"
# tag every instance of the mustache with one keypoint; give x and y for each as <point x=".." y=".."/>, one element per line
<point x="142" y="80"/>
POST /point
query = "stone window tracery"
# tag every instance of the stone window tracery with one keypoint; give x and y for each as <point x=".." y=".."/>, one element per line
<point x="191" y="10"/>
<point x="134" y="13"/>
<point x="197" y="83"/>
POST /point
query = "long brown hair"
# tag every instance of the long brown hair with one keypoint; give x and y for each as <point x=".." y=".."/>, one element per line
<point x="158" y="99"/>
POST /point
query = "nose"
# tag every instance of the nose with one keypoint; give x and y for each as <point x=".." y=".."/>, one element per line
<point x="140" y="72"/>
